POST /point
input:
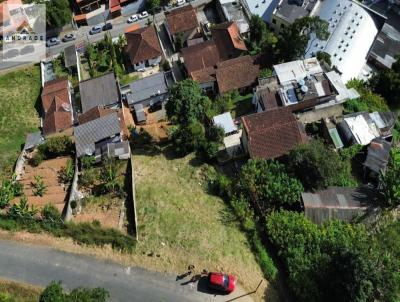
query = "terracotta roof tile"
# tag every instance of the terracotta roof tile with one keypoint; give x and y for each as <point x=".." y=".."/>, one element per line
<point x="272" y="133"/>
<point x="56" y="122"/>
<point x="204" y="75"/>
<point x="51" y="89"/>
<point x="228" y="39"/>
<point x="200" y="56"/>
<point x="237" y="73"/>
<point x="142" y="44"/>
<point x="182" y="19"/>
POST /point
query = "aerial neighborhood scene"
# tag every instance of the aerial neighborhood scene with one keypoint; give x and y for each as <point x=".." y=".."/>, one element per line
<point x="200" y="150"/>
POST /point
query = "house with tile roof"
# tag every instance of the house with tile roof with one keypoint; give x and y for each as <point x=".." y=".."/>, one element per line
<point x="271" y="134"/>
<point x="143" y="48"/>
<point x="235" y="74"/>
<point x="200" y="56"/>
<point x="181" y="24"/>
<point x="57" y="108"/>
<point x="228" y="40"/>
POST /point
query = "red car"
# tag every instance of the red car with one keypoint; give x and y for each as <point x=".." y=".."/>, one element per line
<point x="222" y="282"/>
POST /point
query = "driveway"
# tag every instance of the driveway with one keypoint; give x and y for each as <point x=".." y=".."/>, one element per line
<point x="40" y="265"/>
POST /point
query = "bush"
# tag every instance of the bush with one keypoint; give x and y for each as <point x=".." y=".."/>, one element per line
<point x="36" y="159"/>
<point x="87" y="178"/>
<point x="56" y="146"/>
<point x="50" y="213"/>
<point x="55" y="293"/>
<point x="265" y="262"/>
<point x="88" y="161"/>
<point x="66" y="174"/>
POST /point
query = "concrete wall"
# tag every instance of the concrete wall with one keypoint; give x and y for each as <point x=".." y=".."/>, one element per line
<point x="133" y="199"/>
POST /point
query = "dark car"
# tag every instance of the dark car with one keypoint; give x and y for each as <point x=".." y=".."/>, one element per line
<point x="27" y="49"/>
<point x="222" y="282"/>
<point x="107" y="26"/>
<point x="69" y="37"/>
<point x="12" y="53"/>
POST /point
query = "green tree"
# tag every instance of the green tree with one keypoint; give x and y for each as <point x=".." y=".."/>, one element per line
<point x="386" y="82"/>
<point x="58" y="13"/>
<point x="260" y="38"/>
<point x="268" y="184"/>
<point x="266" y="73"/>
<point x="187" y="104"/>
<point x="153" y="4"/>
<point x="318" y="166"/>
<point x="292" y="43"/>
<point x="56" y="146"/>
<point x="324" y="57"/>
<point x="333" y="262"/>
<point x="390" y="180"/>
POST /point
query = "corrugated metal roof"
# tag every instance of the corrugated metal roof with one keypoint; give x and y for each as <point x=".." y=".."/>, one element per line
<point x="88" y="134"/>
<point x="225" y="121"/>
<point x="33" y="140"/>
<point x="70" y="58"/>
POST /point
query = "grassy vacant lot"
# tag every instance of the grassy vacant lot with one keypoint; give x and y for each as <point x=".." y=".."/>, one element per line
<point x="19" y="91"/>
<point x="181" y="224"/>
<point x="16" y="292"/>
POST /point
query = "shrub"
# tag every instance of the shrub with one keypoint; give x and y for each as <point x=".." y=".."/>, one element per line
<point x="265" y="262"/>
<point x="87" y="178"/>
<point x="88" y="161"/>
<point x="39" y="187"/>
<point x="56" y="146"/>
<point x="50" y="213"/>
<point x="8" y="190"/>
<point x="66" y="174"/>
<point x="36" y="159"/>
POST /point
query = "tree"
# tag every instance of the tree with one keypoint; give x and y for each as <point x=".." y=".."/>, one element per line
<point x="266" y="73"/>
<point x="58" y="13"/>
<point x="386" y="82"/>
<point x="260" y="38"/>
<point x="187" y="104"/>
<point x="294" y="39"/>
<point x="268" y="184"/>
<point x="8" y="190"/>
<point x="153" y="4"/>
<point x="336" y="261"/>
<point x="368" y="100"/>
<point x="390" y="180"/>
<point x="317" y="166"/>
<point x="324" y="57"/>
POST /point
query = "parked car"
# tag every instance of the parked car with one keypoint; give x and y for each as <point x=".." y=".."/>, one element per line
<point x="107" y="26"/>
<point x="69" y="37"/>
<point x="133" y="18"/>
<point x="53" y="41"/>
<point x="12" y="53"/>
<point x="143" y="15"/>
<point x="95" y="30"/>
<point x="222" y="282"/>
<point x="180" y="2"/>
<point x="27" y="49"/>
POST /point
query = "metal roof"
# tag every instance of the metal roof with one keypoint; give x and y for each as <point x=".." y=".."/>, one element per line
<point x="363" y="131"/>
<point x="88" y="134"/>
<point x="297" y="70"/>
<point x="143" y="89"/>
<point x="225" y="121"/>
<point x="338" y="203"/>
<point x="139" y="112"/>
<point x="378" y="155"/>
<point x="352" y="32"/>
<point x="100" y="91"/>
<point x="33" y="140"/>
<point x="70" y="58"/>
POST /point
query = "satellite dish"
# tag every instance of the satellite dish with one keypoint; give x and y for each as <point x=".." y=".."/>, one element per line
<point x="304" y="89"/>
<point x="302" y="82"/>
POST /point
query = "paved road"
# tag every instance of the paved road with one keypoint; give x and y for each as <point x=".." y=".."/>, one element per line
<point x="40" y="265"/>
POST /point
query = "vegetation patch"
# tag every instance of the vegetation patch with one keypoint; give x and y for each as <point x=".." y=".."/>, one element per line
<point x="16" y="292"/>
<point x="19" y="92"/>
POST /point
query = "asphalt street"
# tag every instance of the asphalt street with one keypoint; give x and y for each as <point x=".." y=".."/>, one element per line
<point x="40" y="265"/>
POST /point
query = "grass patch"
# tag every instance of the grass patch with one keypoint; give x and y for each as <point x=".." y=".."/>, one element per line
<point x="19" y="91"/>
<point x="243" y="105"/>
<point x="179" y="220"/>
<point x="17" y="292"/>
